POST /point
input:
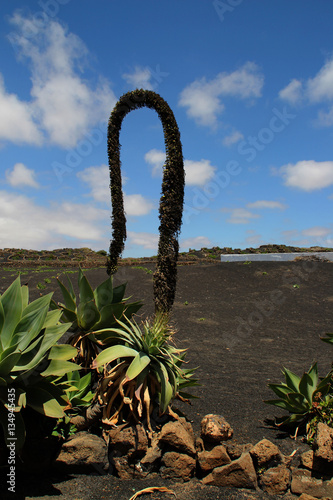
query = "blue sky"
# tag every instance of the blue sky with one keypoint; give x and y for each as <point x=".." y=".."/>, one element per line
<point x="251" y="87"/>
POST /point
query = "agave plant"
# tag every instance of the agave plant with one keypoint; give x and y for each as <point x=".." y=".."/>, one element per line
<point x="92" y="311"/>
<point x="31" y="361"/>
<point x="328" y="339"/>
<point x="142" y="370"/>
<point x="301" y="396"/>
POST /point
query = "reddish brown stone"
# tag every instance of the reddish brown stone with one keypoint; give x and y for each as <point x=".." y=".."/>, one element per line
<point x="177" y="436"/>
<point x="323" y="444"/>
<point x="178" y="466"/>
<point x="238" y="474"/>
<point x="208" y="460"/>
<point x="215" y="428"/>
<point x="303" y="482"/>
<point x="276" y="480"/>
<point x="265" y="453"/>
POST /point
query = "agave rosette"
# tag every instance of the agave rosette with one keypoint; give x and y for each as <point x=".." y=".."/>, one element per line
<point x="142" y="370"/>
<point x="31" y="361"/>
<point x="300" y="395"/>
<point x="92" y="311"/>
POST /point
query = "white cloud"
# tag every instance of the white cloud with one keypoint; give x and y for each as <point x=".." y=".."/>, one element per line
<point x="197" y="242"/>
<point x="139" y="78"/>
<point x="315" y="90"/>
<point x="145" y="240"/>
<point x="198" y="173"/>
<point x="16" y="119"/>
<point x="320" y="87"/>
<point x="98" y="180"/>
<point x="262" y="204"/>
<point x="239" y="215"/>
<point x="202" y="97"/>
<point x="317" y="232"/>
<point x="232" y="138"/>
<point x="63" y="105"/>
<point x="136" y="205"/>
<point x="156" y="158"/>
<point x="292" y="93"/>
<point x="21" y="175"/>
<point x="308" y="175"/>
<point x="23" y="224"/>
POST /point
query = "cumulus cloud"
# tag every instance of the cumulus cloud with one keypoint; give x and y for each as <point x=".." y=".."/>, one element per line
<point x="16" y="119"/>
<point x="292" y="93"/>
<point x="202" y="98"/>
<point x="139" y="78"/>
<point x="197" y="173"/>
<point x="148" y="241"/>
<point x="62" y="106"/>
<point x="21" y="175"/>
<point x="239" y="215"/>
<point x="308" y="175"/>
<point x="156" y="159"/>
<point x="197" y="242"/>
<point x="263" y="204"/>
<point x="24" y="224"/>
<point x="98" y="181"/>
<point x="317" y="232"/>
<point x="232" y="138"/>
<point x="316" y="90"/>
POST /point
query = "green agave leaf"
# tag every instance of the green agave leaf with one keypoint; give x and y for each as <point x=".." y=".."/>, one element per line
<point x="313" y="374"/>
<point x="51" y="335"/>
<point x="70" y="287"/>
<point x="2" y="320"/>
<point x="328" y="339"/>
<point x="8" y="363"/>
<point x="70" y="301"/>
<point x="115" y="335"/>
<point x="306" y="387"/>
<point x="59" y="367"/>
<point x="62" y="352"/>
<point x="30" y="325"/>
<point x="43" y="402"/>
<point x="292" y="379"/>
<point x="87" y="315"/>
<point x="40" y="303"/>
<point x="86" y="293"/>
<point x="283" y="404"/>
<point x="104" y="293"/>
<point x="112" y="353"/>
<point x="132" y="308"/>
<point x="67" y="314"/>
<point x="280" y="390"/>
<point x="299" y="402"/>
<point x="28" y="355"/>
<point x="3" y="382"/>
<point x="109" y="315"/>
<point x="25" y="296"/>
<point x="118" y="293"/>
<point x="52" y="317"/>
<point x="166" y="389"/>
<point x="6" y="352"/>
<point x="138" y="364"/>
<point x="11" y="301"/>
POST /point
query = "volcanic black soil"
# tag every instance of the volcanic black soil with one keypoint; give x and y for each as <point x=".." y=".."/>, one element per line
<point x="241" y="323"/>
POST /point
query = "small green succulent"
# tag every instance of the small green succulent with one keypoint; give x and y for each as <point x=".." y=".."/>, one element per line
<point x="300" y="396"/>
<point x="31" y="361"/>
<point x="92" y="311"/>
<point x="142" y="370"/>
